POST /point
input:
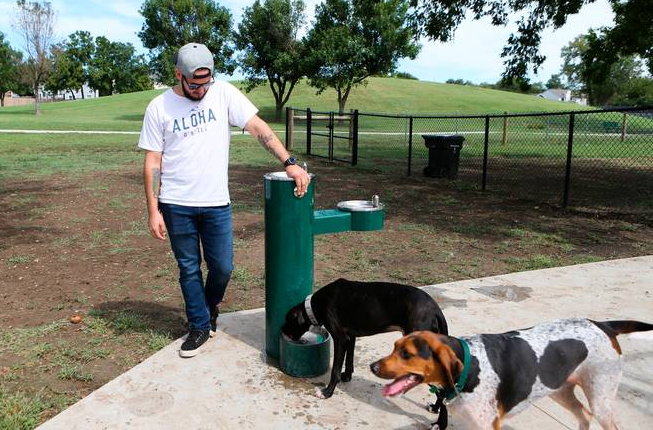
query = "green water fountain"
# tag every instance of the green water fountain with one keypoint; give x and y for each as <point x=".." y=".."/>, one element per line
<point x="291" y="224"/>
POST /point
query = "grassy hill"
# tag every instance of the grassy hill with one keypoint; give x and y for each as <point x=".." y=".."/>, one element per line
<point x="124" y="112"/>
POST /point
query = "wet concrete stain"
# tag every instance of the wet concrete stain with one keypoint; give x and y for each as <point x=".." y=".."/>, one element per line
<point x="443" y="301"/>
<point x="505" y="293"/>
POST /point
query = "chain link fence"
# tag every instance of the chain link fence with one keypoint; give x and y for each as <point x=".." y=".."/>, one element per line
<point x="600" y="159"/>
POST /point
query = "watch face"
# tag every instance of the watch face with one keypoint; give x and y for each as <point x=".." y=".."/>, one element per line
<point x="290" y="161"/>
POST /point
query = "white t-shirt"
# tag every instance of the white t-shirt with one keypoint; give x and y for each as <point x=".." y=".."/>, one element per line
<point x="194" y="138"/>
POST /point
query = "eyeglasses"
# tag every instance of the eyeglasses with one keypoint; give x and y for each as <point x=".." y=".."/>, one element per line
<point x="191" y="86"/>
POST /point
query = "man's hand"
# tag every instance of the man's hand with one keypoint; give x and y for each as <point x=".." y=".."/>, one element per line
<point x="157" y="226"/>
<point x="301" y="178"/>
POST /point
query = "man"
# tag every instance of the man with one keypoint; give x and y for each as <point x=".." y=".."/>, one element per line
<point x="186" y="134"/>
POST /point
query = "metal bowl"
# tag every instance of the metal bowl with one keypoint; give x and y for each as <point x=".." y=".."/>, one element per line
<point x="282" y="176"/>
<point x="359" y="206"/>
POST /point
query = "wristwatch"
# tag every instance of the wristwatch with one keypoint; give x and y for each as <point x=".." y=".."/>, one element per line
<point x="291" y="161"/>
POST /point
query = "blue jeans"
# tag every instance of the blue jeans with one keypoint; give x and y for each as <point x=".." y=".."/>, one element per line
<point x="188" y="226"/>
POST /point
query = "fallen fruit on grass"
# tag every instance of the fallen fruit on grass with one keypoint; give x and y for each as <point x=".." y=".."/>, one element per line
<point x="75" y="319"/>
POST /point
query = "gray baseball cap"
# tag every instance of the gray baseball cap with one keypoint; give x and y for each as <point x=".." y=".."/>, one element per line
<point x="193" y="56"/>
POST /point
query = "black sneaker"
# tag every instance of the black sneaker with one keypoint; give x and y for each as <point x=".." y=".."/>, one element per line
<point x="214" y="321"/>
<point x="193" y="343"/>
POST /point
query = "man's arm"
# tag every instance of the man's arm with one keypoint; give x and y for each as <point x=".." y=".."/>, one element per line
<point x="152" y="180"/>
<point x="264" y="134"/>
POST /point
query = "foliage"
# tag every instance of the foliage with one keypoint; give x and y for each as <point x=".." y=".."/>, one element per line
<point x="271" y="51"/>
<point x="354" y="39"/>
<point x="80" y="49"/>
<point x="459" y="82"/>
<point x="35" y="22"/>
<point x="171" y="24"/>
<point x="632" y="33"/>
<point x="116" y="69"/>
<point x="9" y="68"/>
<point x="405" y="75"/>
<point x="636" y="92"/>
<point x="66" y="73"/>
<point x="572" y="62"/>
<point x="589" y="71"/>
<point x="555" y="81"/>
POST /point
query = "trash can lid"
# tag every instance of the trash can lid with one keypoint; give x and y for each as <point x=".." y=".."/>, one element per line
<point x="444" y="137"/>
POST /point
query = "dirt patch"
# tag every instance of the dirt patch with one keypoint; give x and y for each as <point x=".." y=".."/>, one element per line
<point x="79" y="245"/>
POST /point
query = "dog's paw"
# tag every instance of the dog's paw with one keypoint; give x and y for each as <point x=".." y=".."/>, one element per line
<point x="319" y="393"/>
<point x="433" y="408"/>
<point x="434" y="426"/>
<point x="345" y="377"/>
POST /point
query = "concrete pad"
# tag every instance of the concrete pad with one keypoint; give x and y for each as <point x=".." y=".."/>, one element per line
<point x="231" y="385"/>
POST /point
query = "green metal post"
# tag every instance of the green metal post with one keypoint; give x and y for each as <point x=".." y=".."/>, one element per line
<point x="288" y="252"/>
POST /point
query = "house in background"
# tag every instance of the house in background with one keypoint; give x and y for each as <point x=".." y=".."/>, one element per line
<point x="557" y="94"/>
<point x="562" y="95"/>
<point x="89" y="93"/>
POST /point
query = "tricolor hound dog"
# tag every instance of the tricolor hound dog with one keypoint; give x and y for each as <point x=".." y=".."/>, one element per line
<point x="490" y="377"/>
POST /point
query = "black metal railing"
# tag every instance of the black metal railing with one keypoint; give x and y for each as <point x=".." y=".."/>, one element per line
<point x="591" y="158"/>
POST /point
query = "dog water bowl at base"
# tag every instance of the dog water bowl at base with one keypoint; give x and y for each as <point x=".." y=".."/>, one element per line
<point x="306" y="358"/>
<point x="366" y="215"/>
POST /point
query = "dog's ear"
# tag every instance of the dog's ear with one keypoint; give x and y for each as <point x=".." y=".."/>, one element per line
<point x="443" y="355"/>
<point x="451" y="365"/>
<point x="297" y="315"/>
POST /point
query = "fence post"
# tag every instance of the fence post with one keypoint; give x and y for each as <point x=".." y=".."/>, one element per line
<point x="351" y="128"/>
<point x="308" y="131"/>
<point x="624" y="125"/>
<point x="504" y="139"/>
<point x="486" y="150"/>
<point x="290" y="128"/>
<point x="570" y="143"/>
<point x="354" y="149"/>
<point x="410" y="143"/>
<point x="331" y="127"/>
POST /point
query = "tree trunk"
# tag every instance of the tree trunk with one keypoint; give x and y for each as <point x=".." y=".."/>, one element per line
<point x="2" y="99"/>
<point x="277" y="110"/>
<point x="37" y="108"/>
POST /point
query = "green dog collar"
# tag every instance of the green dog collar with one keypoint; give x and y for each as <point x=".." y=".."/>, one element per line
<point x="450" y="393"/>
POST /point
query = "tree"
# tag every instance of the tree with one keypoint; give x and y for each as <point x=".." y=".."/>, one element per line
<point x="591" y="71"/>
<point x="354" y="39"/>
<point x="171" y="24"/>
<point x="632" y="33"/>
<point x="116" y="69"/>
<point x="572" y="63"/>
<point x="267" y="38"/>
<point x="35" y="22"/>
<point x="555" y="81"/>
<point x="9" y="68"/>
<point x="65" y="74"/>
<point x="637" y="92"/>
<point x="80" y="48"/>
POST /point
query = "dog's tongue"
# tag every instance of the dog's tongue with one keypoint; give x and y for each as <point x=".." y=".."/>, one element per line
<point x="400" y="385"/>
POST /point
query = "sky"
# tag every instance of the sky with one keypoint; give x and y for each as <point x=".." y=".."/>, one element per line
<point x="474" y="54"/>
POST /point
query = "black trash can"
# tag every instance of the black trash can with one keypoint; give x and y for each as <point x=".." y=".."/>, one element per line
<point x="444" y="155"/>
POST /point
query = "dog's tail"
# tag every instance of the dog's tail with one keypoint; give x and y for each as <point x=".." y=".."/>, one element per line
<point x="623" y="326"/>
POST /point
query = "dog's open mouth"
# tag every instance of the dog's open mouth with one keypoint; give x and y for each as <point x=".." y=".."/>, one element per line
<point x="401" y="385"/>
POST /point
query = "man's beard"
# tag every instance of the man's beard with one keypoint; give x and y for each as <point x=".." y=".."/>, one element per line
<point x="188" y="94"/>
